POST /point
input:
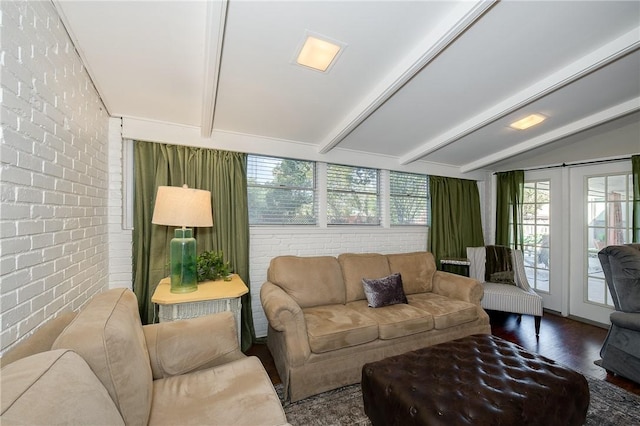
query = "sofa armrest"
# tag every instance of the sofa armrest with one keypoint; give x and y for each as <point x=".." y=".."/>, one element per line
<point x="286" y="316"/>
<point x="182" y="346"/>
<point x="457" y="287"/>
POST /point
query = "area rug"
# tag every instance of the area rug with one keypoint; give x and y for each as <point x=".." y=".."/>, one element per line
<point x="609" y="405"/>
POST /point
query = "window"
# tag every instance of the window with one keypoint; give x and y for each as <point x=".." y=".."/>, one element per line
<point x="281" y="191"/>
<point x="409" y="198"/>
<point x="352" y="195"/>
<point x="609" y="204"/>
<point x="536" y="223"/>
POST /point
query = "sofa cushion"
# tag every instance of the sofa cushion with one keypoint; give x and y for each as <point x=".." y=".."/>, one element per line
<point x="416" y="268"/>
<point x="446" y="312"/>
<point x="310" y="281"/>
<point x="236" y="393"/>
<point x="54" y="387"/>
<point x="395" y="320"/>
<point x="356" y="266"/>
<point x="333" y="327"/>
<point x="384" y="291"/>
<point x="108" y="335"/>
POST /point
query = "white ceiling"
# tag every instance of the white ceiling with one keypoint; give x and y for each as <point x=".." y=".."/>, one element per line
<point x="434" y="81"/>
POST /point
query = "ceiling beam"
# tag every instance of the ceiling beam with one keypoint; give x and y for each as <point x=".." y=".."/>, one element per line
<point x="567" y="75"/>
<point x="215" y="26"/>
<point x="449" y="29"/>
<point x="593" y="120"/>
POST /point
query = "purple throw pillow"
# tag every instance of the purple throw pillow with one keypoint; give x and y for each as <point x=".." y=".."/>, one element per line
<point x="384" y="291"/>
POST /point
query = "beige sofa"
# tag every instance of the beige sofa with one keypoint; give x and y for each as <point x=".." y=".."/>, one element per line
<point x="102" y="366"/>
<point x="321" y="330"/>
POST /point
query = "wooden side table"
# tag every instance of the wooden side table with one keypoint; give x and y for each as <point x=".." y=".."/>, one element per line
<point x="211" y="297"/>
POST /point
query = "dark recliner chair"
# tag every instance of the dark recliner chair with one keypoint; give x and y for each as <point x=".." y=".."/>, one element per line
<point x="621" y="349"/>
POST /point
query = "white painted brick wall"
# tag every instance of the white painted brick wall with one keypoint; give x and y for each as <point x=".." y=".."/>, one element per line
<point x="267" y="243"/>
<point x="54" y="176"/>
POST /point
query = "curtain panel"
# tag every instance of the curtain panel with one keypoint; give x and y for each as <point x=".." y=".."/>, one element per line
<point x="509" y="198"/>
<point x="455" y="217"/>
<point x="635" y="171"/>
<point x="221" y="172"/>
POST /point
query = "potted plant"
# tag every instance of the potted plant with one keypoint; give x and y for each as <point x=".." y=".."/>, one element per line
<point x="211" y="266"/>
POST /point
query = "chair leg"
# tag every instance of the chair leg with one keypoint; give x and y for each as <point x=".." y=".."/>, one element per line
<point x="538" y="319"/>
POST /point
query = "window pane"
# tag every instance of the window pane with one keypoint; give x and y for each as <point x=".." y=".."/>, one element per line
<point x="596" y="189"/>
<point x="529" y="192"/>
<point x="409" y="198"/>
<point x="352" y="195"/>
<point x="536" y="234"/>
<point x="608" y="207"/>
<point x="616" y="187"/>
<point x="281" y="191"/>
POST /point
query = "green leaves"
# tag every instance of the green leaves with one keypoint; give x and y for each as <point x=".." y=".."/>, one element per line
<point x="211" y="266"/>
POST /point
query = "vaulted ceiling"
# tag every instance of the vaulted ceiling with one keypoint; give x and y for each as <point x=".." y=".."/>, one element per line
<point x="417" y="81"/>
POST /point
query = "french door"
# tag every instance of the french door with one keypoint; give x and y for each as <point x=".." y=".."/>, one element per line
<point x="542" y="213"/>
<point x="601" y="202"/>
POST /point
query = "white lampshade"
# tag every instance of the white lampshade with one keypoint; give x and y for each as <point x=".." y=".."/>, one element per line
<point x="182" y="206"/>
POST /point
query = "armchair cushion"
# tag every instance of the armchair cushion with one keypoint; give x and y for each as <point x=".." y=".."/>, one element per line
<point x="55" y="388"/>
<point x="498" y="265"/>
<point x="108" y="334"/>
<point x="41" y="340"/>
<point x="179" y="347"/>
<point x="236" y="393"/>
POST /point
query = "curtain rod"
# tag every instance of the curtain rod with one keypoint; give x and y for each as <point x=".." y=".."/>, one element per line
<point x="582" y="163"/>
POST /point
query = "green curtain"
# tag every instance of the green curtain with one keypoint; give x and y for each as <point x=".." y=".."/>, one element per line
<point x="221" y="172"/>
<point x="509" y="198"/>
<point x="455" y="217"/>
<point x="635" y="171"/>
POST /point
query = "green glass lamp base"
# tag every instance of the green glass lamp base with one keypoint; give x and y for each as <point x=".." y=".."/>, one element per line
<point x="184" y="278"/>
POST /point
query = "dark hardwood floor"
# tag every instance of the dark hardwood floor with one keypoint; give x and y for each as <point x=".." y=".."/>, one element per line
<point x="572" y="343"/>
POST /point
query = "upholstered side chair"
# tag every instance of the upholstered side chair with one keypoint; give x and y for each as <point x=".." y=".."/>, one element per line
<point x="518" y="299"/>
<point x="621" y="349"/>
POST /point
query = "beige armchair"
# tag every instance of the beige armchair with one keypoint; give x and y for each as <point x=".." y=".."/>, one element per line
<point x="519" y="299"/>
<point x="102" y="366"/>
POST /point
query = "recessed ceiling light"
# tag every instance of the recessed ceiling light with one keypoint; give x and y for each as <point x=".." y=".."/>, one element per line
<point x="528" y="121"/>
<point x="317" y="53"/>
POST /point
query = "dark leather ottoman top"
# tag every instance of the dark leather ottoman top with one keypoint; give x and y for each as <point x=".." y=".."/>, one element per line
<point x="476" y="380"/>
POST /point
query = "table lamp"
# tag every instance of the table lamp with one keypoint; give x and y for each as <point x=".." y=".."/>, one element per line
<point x="183" y="207"/>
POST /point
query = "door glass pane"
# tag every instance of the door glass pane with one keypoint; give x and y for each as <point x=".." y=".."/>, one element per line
<point x="596" y="188"/>
<point x="608" y="207"/>
<point x="536" y="225"/>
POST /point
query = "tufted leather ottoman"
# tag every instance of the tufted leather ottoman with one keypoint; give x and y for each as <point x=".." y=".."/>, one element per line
<point x="476" y="380"/>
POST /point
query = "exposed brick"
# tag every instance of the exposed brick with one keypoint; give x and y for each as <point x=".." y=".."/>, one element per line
<point x="48" y="197"/>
